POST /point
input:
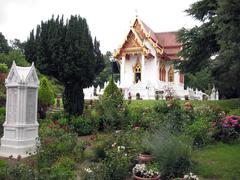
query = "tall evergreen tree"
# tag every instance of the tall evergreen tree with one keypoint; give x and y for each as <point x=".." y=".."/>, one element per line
<point x="66" y="52"/>
<point x="227" y="65"/>
<point x="214" y="44"/>
<point x="4" y="47"/>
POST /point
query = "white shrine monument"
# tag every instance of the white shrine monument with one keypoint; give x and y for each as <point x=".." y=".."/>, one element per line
<point x="20" y="127"/>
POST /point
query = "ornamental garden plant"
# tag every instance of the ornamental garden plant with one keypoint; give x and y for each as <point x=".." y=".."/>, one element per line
<point x="109" y="137"/>
<point x="148" y="171"/>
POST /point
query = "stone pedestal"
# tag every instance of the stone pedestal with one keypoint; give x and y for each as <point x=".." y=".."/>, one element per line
<point x="20" y="127"/>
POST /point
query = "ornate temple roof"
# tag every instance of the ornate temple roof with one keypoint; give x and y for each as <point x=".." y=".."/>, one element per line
<point x="165" y="43"/>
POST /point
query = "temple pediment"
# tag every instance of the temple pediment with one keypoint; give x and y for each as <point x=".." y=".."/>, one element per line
<point x="164" y="44"/>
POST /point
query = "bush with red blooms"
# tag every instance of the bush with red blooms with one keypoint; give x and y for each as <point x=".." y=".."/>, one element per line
<point x="228" y="129"/>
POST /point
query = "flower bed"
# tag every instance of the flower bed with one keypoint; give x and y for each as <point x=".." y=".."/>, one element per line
<point x="141" y="171"/>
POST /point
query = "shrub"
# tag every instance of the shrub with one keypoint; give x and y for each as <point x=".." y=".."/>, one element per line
<point x="99" y="149"/>
<point x="229" y="129"/>
<point x="57" y="115"/>
<point x="21" y="172"/>
<point x="3" y="68"/>
<point x="90" y="155"/>
<point x="115" y="166"/>
<point x="56" y="142"/>
<point x="2" y="98"/>
<point x="117" y="163"/>
<point x="145" y="118"/>
<point x="82" y="126"/>
<point x="63" y="169"/>
<point x="199" y="132"/>
<point x="172" y="115"/>
<point x="172" y="154"/>
<point x="97" y="172"/>
<point x="114" y="92"/>
<point x="3" y="169"/>
<point x="2" y="119"/>
<point x="111" y="109"/>
<point x="45" y="97"/>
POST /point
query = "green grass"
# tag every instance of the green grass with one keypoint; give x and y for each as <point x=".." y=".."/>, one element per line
<point x="228" y="104"/>
<point x="220" y="161"/>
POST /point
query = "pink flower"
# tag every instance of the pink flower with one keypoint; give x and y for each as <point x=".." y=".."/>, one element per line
<point x="225" y="125"/>
<point x="234" y="122"/>
<point x="114" y="144"/>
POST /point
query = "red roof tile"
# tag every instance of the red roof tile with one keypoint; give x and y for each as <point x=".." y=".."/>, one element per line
<point x="167" y="39"/>
<point x="150" y="31"/>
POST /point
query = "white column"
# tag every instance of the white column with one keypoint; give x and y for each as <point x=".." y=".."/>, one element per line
<point x="156" y="70"/>
<point x="122" y="72"/>
<point x="143" y="68"/>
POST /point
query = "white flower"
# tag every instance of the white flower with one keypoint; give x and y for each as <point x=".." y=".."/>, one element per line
<point x="121" y="148"/>
<point x="88" y="170"/>
<point x="141" y="168"/>
<point x="190" y="176"/>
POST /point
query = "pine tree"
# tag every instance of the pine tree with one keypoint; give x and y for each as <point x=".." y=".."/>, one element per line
<point x="4" y="47"/>
<point x="227" y="65"/>
<point x="66" y="52"/>
<point x="215" y="44"/>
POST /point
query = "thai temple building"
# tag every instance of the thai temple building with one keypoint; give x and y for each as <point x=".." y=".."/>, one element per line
<point x="146" y="61"/>
<point x="147" y="71"/>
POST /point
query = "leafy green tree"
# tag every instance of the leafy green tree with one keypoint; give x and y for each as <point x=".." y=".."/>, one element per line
<point x="45" y="97"/>
<point x="106" y="72"/>
<point x="16" y="55"/>
<point x="214" y="44"/>
<point x="202" y="80"/>
<point x="17" y="44"/>
<point x="67" y="52"/>
<point x="4" y="47"/>
<point x="3" y="68"/>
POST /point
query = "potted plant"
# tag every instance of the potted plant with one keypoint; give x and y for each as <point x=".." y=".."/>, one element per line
<point x="146" y="151"/>
<point x="146" y="172"/>
<point x="146" y="154"/>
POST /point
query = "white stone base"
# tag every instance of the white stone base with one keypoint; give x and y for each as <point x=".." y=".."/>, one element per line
<point x="19" y="140"/>
<point x="14" y="148"/>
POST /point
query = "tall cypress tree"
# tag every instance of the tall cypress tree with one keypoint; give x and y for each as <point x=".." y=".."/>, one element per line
<point x="66" y="52"/>
<point x="4" y="47"/>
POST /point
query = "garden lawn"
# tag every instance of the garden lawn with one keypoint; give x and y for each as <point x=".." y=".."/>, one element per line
<point x="229" y="104"/>
<point x="219" y="161"/>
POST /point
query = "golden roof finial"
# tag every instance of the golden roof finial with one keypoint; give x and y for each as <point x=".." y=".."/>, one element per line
<point x="136" y="12"/>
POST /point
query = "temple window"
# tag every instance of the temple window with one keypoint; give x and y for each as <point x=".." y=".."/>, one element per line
<point x="162" y="72"/>
<point x="181" y="77"/>
<point x="137" y="69"/>
<point x="171" y="74"/>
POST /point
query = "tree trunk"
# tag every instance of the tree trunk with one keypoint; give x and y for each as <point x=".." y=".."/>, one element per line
<point x="73" y="99"/>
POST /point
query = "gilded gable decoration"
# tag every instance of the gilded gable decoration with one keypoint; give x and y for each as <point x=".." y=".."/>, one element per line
<point x="171" y="74"/>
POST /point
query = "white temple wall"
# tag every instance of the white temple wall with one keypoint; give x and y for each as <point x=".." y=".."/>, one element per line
<point x="128" y="71"/>
<point x="150" y="74"/>
<point x="176" y="77"/>
<point x="167" y="67"/>
<point x="151" y="64"/>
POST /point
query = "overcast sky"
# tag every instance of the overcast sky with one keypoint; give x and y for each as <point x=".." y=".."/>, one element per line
<point x="108" y="20"/>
